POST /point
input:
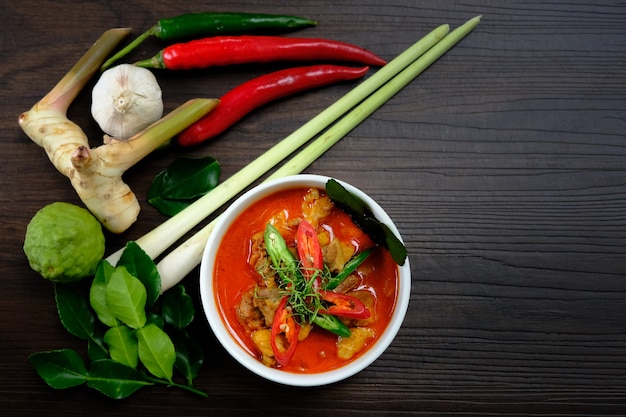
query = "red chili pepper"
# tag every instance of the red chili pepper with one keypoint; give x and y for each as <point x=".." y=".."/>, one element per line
<point x="233" y="50"/>
<point x="284" y="323"/>
<point x="344" y="305"/>
<point x="252" y="94"/>
<point x="309" y="249"/>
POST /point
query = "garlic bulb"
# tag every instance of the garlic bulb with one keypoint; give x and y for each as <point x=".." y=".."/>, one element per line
<point x="125" y="100"/>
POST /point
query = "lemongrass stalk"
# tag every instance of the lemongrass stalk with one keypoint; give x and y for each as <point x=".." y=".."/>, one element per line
<point x="177" y="264"/>
<point x="372" y="103"/>
<point x="155" y="242"/>
<point x="182" y="260"/>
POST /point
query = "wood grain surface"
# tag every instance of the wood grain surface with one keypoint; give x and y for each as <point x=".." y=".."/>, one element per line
<point x="503" y="166"/>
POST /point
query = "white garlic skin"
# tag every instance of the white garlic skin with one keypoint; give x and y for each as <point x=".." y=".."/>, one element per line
<point x="125" y="100"/>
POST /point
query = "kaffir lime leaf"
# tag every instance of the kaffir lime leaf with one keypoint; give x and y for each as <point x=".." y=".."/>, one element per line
<point x="64" y="242"/>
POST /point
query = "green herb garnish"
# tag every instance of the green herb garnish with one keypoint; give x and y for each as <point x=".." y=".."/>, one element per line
<point x="304" y="299"/>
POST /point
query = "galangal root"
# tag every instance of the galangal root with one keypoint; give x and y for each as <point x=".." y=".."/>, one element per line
<point x="96" y="174"/>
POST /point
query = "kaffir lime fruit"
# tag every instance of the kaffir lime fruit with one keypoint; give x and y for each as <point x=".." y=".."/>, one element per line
<point x="64" y="242"/>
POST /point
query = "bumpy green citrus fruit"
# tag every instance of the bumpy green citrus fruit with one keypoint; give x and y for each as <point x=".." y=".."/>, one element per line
<point x="64" y="242"/>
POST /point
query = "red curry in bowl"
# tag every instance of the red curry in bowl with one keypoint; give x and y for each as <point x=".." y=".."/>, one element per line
<point x="252" y="297"/>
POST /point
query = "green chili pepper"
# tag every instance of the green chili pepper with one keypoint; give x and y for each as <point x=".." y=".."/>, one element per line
<point x="349" y="268"/>
<point x="332" y="324"/>
<point x="193" y="25"/>
<point x="208" y="24"/>
<point x="283" y="260"/>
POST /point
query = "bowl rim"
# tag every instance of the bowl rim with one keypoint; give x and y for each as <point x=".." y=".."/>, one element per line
<point x="215" y="320"/>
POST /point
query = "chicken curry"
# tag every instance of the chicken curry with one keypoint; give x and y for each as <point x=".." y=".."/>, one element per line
<point x="300" y="286"/>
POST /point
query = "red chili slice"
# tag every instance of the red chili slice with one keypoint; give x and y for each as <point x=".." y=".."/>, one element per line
<point x="309" y="249"/>
<point x="344" y="305"/>
<point x="284" y="323"/>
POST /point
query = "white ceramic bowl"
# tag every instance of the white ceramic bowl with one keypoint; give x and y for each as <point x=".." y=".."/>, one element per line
<point x="216" y="322"/>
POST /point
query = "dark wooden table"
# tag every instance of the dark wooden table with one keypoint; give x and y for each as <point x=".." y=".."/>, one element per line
<point x="503" y="166"/>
